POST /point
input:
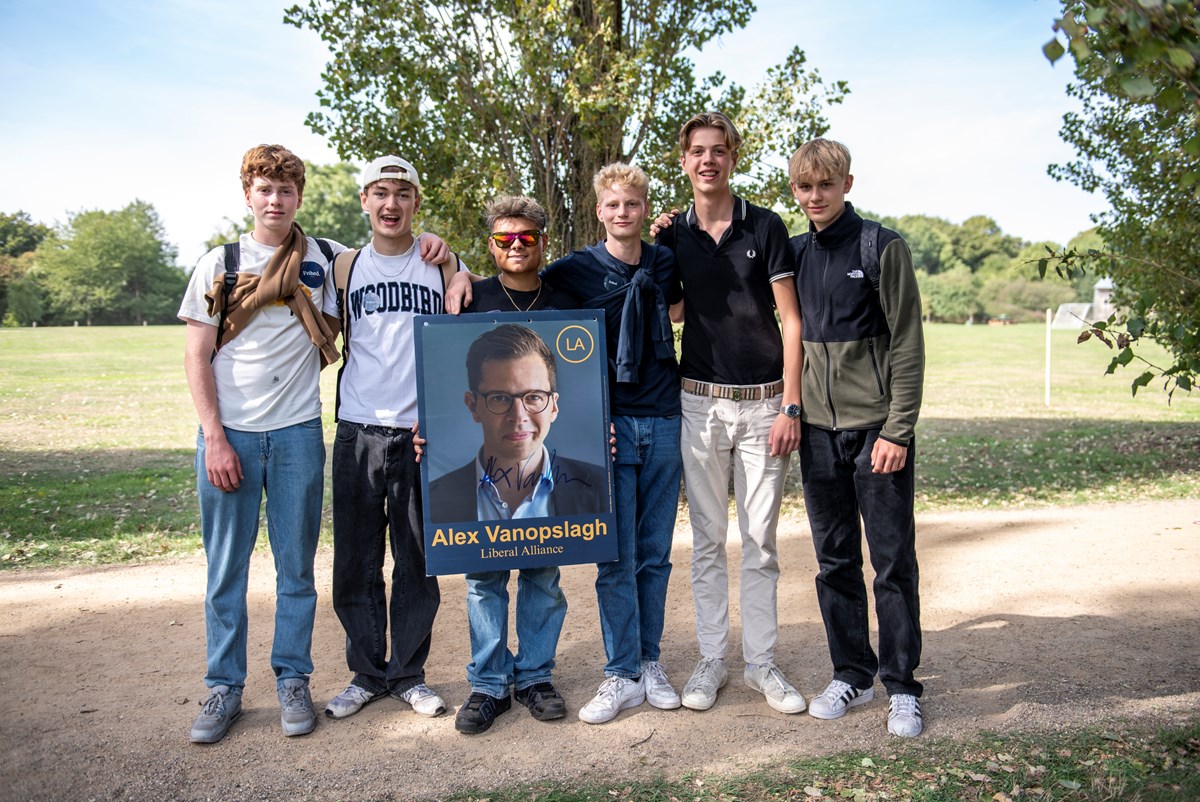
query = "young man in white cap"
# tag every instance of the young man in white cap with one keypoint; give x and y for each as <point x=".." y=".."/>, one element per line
<point x="376" y="476"/>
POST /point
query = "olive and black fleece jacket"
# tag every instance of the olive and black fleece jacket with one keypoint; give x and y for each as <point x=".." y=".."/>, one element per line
<point x="864" y="351"/>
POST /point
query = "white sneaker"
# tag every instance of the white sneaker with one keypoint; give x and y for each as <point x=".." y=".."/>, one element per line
<point x="837" y="698"/>
<point x="349" y="702"/>
<point x="768" y="680"/>
<point x="615" y="694"/>
<point x="710" y="676"/>
<point x="659" y="692"/>
<point x="424" y="700"/>
<point x="904" y="716"/>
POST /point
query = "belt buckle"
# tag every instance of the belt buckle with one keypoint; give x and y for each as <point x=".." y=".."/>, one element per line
<point x="737" y="393"/>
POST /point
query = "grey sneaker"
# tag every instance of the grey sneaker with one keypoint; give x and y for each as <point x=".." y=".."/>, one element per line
<point x="424" y="700"/>
<point x="768" y="680"/>
<point x="710" y="676"/>
<point x="904" y="716"/>
<point x="296" y="708"/>
<point x="350" y="701"/>
<point x="837" y="698"/>
<point x="659" y="692"/>
<point x="217" y="712"/>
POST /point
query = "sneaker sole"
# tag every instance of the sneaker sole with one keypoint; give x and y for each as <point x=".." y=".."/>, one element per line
<point x="867" y="696"/>
<point x="626" y="705"/>
<point x="215" y="737"/>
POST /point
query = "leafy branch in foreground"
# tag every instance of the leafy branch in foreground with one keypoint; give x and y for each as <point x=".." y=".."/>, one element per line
<point x="1179" y="331"/>
<point x="1137" y="140"/>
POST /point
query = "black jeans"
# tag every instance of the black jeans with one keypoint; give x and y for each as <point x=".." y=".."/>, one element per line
<point x="377" y="487"/>
<point x="838" y="487"/>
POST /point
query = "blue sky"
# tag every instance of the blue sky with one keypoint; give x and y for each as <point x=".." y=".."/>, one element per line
<point x="953" y="110"/>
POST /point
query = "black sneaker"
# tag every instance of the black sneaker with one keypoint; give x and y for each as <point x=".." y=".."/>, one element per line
<point x="543" y="701"/>
<point x="479" y="711"/>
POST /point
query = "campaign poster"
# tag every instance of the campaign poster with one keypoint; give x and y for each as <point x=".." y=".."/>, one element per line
<point x="517" y="470"/>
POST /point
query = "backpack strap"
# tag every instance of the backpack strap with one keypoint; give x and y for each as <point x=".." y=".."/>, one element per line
<point x="869" y="251"/>
<point x="232" y="261"/>
<point x="343" y="267"/>
<point x="326" y="249"/>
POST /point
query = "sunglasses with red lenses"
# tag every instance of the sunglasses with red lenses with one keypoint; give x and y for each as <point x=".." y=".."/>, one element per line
<point x="505" y="239"/>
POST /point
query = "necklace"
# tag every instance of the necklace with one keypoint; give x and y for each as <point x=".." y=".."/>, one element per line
<point x="514" y="303"/>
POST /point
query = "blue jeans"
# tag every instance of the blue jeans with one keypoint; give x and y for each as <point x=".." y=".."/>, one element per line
<point x="288" y="465"/>
<point x="838" y="487"/>
<point x="632" y="590"/>
<point x="541" y="608"/>
<point x="377" y="492"/>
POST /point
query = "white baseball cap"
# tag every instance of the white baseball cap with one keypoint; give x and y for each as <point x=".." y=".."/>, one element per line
<point x="392" y="167"/>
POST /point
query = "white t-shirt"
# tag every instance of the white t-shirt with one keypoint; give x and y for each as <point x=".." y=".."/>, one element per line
<point x="379" y="382"/>
<point x="267" y="376"/>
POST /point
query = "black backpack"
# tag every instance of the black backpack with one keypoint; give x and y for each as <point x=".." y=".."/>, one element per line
<point x="233" y="261"/>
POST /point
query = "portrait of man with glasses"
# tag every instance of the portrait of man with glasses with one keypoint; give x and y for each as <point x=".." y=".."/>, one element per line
<point x="512" y="394"/>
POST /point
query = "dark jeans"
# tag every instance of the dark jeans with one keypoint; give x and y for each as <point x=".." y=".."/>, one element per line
<point x="838" y="487"/>
<point x="377" y="487"/>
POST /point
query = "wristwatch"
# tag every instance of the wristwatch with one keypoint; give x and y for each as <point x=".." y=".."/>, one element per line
<point x="791" y="410"/>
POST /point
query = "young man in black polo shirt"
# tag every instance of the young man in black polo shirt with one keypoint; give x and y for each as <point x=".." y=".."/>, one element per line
<point x="741" y="404"/>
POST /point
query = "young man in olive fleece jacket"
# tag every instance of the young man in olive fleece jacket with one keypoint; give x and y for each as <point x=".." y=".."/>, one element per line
<point x="864" y="362"/>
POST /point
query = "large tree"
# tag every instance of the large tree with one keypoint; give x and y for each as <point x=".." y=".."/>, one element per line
<point x="18" y="235"/>
<point x="487" y="97"/>
<point x="111" y="267"/>
<point x="1137" y="64"/>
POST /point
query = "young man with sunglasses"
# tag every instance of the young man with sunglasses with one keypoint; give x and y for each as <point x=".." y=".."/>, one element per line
<point x="634" y="283"/>
<point x="512" y="394"/>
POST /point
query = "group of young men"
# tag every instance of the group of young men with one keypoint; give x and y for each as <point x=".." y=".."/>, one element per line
<point x="812" y="344"/>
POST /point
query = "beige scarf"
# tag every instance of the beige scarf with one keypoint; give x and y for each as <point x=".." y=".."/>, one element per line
<point x="280" y="281"/>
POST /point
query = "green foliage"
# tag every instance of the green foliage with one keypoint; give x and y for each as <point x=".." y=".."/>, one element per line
<point x="111" y="267"/>
<point x="1022" y="299"/>
<point x="951" y="296"/>
<point x="19" y="234"/>
<point x="331" y="207"/>
<point x="1138" y="141"/>
<point x="532" y="97"/>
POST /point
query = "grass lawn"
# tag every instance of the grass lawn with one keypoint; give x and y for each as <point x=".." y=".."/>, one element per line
<point x="97" y="433"/>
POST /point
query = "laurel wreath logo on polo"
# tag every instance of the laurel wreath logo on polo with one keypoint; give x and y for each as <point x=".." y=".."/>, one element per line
<point x="575" y="344"/>
<point x="751" y="253"/>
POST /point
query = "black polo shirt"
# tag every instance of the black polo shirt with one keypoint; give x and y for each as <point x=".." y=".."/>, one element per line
<point x="730" y="334"/>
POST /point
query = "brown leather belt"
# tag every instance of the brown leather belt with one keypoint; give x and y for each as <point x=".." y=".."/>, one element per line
<point x="755" y="392"/>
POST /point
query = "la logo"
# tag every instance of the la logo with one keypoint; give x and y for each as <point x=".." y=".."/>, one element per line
<point x="575" y="344"/>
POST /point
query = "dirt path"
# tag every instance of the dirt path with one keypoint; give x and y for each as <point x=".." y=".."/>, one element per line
<point x="1034" y="620"/>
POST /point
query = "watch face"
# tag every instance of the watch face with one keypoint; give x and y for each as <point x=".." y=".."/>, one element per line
<point x="792" y="410"/>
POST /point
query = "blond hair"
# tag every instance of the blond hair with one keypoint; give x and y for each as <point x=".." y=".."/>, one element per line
<point x="710" y="119"/>
<point x="819" y="159"/>
<point x="619" y="174"/>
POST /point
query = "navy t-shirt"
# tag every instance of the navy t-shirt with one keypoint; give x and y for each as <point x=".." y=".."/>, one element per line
<point x="730" y="334"/>
<point x="591" y="273"/>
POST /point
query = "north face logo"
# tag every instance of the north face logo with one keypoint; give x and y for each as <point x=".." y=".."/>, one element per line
<point x="855" y="274"/>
